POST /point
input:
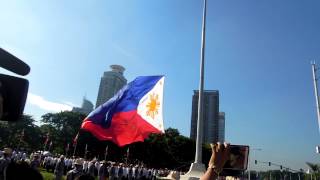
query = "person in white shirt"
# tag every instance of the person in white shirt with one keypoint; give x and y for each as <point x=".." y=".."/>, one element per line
<point x="134" y="172"/>
<point x="91" y="167"/>
<point x="145" y="173"/>
<point x="85" y="166"/>
<point x="116" y="171"/>
<point x="68" y="164"/>
<point x="52" y="163"/>
<point x="125" y="172"/>
<point x="97" y="166"/>
<point x="77" y="171"/>
<point x="24" y="156"/>
<point x="112" y="171"/>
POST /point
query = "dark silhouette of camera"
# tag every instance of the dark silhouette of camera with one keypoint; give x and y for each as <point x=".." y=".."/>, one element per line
<point x="13" y="90"/>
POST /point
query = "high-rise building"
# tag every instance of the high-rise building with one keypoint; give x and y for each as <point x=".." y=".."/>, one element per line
<point x="111" y="82"/>
<point x="86" y="107"/>
<point x="210" y="116"/>
<point x="221" y="135"/>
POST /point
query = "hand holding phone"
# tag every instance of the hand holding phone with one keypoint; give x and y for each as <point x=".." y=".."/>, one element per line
<point x="229" y="159"/>
<point x="220" y="154"/>
<point x="226" y="160"/>
<point x="237" y="160"/>
<point x="238" y="157"/>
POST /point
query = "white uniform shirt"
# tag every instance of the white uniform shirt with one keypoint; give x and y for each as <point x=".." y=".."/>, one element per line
<point x="85" y="165"/>
<point x="97" y="165"/>
<point x="125" y="171"/>
<point x="133" y="172"/>
<point x="116" y="170"/>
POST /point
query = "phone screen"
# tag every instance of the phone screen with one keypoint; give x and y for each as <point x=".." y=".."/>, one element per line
<point x="238" y="158"/>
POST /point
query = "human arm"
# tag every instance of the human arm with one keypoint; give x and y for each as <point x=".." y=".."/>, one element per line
<point x="219" y="156"/>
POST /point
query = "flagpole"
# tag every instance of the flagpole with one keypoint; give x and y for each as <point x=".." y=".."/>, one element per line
<point x="50" y="145"/>
<point x="197" y="168"/>
<point x="314" y="74"/>
<point x="128" y="150"/>
<point x="67" y="149"/>
<point x="20" y="139"/>
<point x="106" y="153"/>
<point x="74" y="150"/>
<point x="46" y="142"/>
<point x="198" y="156"/>
<point x="85" y="151"/>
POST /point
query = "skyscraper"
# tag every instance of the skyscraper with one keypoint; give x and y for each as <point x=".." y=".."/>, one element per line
<point x="210" y="116"/>
<point x="111" y="82"/>
<point x="86" y="107"/>
<point x="221" y="135"/>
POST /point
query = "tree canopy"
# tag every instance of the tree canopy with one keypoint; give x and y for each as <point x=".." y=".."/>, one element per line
<point x="170" y="149"/>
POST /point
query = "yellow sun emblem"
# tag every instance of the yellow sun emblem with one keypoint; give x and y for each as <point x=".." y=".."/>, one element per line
<point x="153" y="105"/>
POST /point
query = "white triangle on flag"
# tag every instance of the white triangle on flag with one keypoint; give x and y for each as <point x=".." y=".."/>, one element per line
<point x="150" y="106"/>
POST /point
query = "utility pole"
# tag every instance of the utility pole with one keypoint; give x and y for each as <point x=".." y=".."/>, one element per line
<point x="249" y="162"/>
<point x="290" y="175"/>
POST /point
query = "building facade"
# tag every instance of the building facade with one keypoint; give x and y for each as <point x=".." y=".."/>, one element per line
<point x="210" y="116"/>
<point x="111" y="82"/>
<point x="222" y="125"/>
<point x="86" y="107"/>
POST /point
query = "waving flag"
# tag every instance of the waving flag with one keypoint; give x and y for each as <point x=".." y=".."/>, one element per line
<point x="131" y="115"/>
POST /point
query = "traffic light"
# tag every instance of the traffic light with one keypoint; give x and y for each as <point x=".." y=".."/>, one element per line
<point x="280" y="167"/>
<point x="255" y="161"/>
<point x="317" y="149"/>
<point x="269" y="163"/>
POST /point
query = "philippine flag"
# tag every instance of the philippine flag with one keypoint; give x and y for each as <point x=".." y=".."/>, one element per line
<point x="131" y="115"/>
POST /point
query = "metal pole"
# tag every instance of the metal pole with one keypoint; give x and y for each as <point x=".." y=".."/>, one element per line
<point x="198" y="156"/>
<point x="316" y="91"/>
<point x="85" y="151"/>
<point x="270" y="175"/>
<point x="290" y="175"/>
<point x="249" y="176"/>
<point x="249" y="162"/>
<point x="106" y="153"/>
<point x="74" y="150"/>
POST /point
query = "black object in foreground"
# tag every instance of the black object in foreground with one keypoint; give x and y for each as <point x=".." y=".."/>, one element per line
<point x="13" y="90"/>
<point x="13" y="64"/>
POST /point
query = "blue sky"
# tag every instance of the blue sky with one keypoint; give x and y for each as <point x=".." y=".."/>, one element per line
<point x="258" y="56"/>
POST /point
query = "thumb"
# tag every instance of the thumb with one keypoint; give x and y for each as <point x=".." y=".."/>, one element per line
<point x="212" y="147"/>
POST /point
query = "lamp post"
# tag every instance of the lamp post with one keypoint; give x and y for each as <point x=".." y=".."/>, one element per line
<point x="249" y="163"/>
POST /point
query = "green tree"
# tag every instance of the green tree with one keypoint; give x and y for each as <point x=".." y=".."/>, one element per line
<point x="315" y="168"/>
<point x="22" y="134"/>
<point x="62" y="127"/>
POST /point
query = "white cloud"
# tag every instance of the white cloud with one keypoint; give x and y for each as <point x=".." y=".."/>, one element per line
<point x="70" y="104"/>
<point x="44" y="104"/>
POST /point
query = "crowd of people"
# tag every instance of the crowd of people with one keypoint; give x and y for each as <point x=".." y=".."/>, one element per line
<point x="75" y="168"/>
<point x="18" y="165"/>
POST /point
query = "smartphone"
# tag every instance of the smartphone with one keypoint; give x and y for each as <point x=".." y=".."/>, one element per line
<point x="238" y="158"/>
<point x="237" y="161"/>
